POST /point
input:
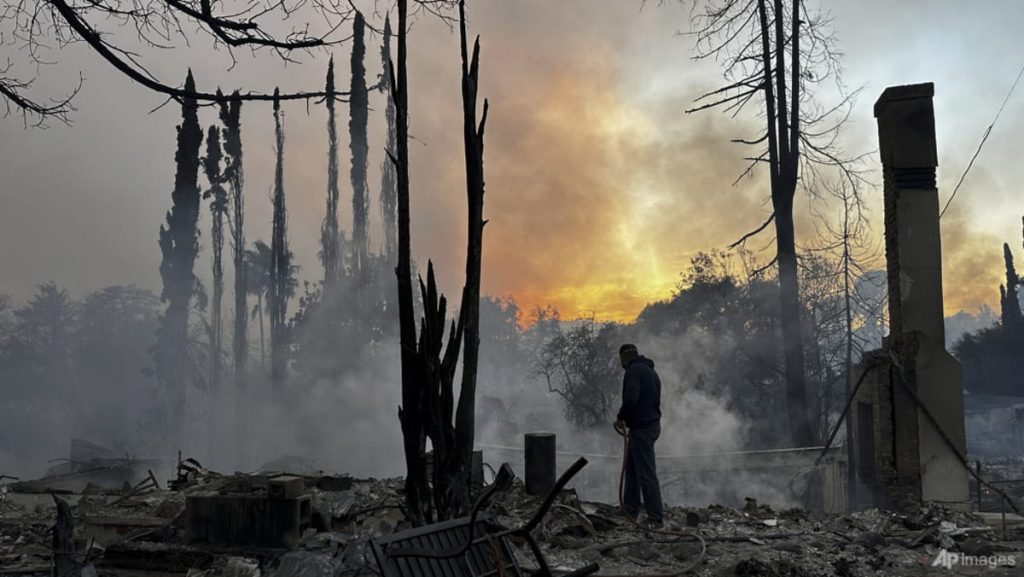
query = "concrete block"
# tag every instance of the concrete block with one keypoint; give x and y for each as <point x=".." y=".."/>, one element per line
<point x="246" y="520"/>
<point x="286" y="487"/>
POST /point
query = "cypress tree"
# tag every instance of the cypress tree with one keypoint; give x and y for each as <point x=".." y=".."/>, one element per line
<point x="179" y="245"/>
<point x="1010" y="304"/>
<point x="280" y="266"/>
<point x="330" y="250"/>
<point x="358" y="114"/>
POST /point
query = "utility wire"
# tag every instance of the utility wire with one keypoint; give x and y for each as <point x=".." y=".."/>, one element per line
<point x="984" y="137"/>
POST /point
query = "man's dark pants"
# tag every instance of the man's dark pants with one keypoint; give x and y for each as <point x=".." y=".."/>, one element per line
<point x="642" y="474"/>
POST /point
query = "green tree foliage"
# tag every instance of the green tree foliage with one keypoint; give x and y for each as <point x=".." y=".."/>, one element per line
<point x="993" y="358"/>
<point x="1009" y="302"/>
<point x="993" y="361"/>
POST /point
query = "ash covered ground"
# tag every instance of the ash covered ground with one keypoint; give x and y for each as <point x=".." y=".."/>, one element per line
<point x="143" y="529"/>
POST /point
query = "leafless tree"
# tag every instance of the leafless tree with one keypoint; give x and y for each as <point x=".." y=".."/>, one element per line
<point x="579" y="365"/>
<point x="774" y="53"/>
<point x="125" y="32"/>
<point x="851" y="296"/>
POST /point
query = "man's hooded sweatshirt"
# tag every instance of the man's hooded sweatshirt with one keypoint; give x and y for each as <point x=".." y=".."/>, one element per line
<point x="641" y="394"/>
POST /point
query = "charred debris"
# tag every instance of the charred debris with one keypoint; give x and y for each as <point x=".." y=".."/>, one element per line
<point x="100" y="514"/>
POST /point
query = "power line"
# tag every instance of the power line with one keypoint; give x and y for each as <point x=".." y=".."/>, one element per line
<point x="984" y="137"/>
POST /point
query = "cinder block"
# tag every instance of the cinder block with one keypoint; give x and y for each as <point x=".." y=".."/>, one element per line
<point x="286" y="487"/>
<point x="246" y="520"/>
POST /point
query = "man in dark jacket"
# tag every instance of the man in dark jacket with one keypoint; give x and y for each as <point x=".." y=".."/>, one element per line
<point x="641" y="414"/>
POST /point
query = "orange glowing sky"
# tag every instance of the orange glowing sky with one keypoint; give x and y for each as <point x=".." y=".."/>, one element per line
<point x="599" y="187"/>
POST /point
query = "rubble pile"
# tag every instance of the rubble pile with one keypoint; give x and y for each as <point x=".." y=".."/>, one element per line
<point x="144" y="530"/>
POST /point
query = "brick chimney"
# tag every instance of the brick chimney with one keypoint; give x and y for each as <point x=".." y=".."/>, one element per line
<point x="922" y="465"/>
<point x="913" y="247"/>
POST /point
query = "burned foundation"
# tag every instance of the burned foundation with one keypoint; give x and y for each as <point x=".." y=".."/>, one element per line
<point x="909" y="412"/>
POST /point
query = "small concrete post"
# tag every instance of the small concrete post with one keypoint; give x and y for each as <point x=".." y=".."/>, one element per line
<point x="540" y="462"/>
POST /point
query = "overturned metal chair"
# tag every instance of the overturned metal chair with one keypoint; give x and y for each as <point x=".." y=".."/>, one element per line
<point x="472" y="546"/>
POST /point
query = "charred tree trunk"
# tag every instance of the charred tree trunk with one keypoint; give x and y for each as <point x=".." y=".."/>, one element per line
<point x="387" y="170"/>
<point x="428" y="374"/>
<point x="409" y="414"/>
<point x="469" y="315"/>
<point x="330" y="249"/>
<point x="358" y="114"/>
<point x="783" y="158"/>
<point x="851" y="469"/>
<point x="437" y="375"/>
<point x="280" y="269"/>
<point x="218" y="209"/>
<point x="179" y="245"/>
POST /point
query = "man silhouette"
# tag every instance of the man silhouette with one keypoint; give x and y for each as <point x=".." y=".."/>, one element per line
<point x="641" y="415"/>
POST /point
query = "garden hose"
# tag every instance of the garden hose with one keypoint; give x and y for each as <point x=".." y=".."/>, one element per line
<point x="682" y="535"/>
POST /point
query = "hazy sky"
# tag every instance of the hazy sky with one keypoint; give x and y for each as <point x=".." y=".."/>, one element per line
<point x="599" y="187"/>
